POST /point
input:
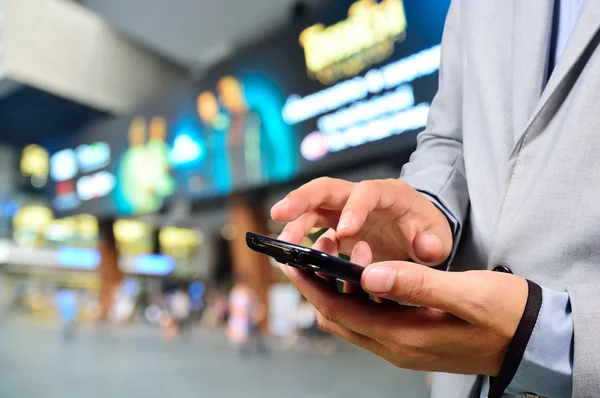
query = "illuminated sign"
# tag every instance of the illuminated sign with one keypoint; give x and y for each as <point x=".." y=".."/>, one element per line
<point x="154" y="264"/>
<point x="87" y="227"/>
<point x="185" y="150"/>
<point x="35" y="163"/>
<point x="180" y="243"/>
<point x="8" y="208"/>
<point x="133" y="237"/>
<point x="373" y="130"/>
<point x="174" y="236"/>
<point x="62" y="230"/>
<point x="93" y="157"/>
<point x="63" y="165"/>
<point x="77" y="257"/>
<point x="76" y="230"/>
<point x="298" y="109"/>
<point x="29" y="224"/>
<point x="366" y="108"/>
<point x="33" y="217"/>
<point x="347" y="48"/>
<point x="66" y="197"/>
<point x="96" y="185"/>
<point x="314" y="146"/>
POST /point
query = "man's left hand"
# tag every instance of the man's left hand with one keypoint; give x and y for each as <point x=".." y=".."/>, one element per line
<point x="458" y="322"/>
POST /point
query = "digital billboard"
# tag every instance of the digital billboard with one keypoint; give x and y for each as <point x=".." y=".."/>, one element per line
<point x="350" y="84"/>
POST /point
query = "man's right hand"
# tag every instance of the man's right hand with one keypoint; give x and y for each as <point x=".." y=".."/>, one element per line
<point x="395" y="220"/>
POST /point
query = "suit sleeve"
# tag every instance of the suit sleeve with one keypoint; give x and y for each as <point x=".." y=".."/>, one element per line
<point x="585" y="299"/>
<point x="437" y="166"/>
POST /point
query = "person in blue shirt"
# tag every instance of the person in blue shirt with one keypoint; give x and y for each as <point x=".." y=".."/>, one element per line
<point x="67" y="304"/>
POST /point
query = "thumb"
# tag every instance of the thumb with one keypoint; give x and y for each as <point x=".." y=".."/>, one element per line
<point x="429" y="248"/>
<point x="433" y="244"/>
<point x="414" y="284"/>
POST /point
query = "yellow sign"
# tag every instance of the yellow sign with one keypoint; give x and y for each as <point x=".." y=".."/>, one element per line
<point x="79" y="230"/>
<point x="29" y="224"/>
<point x="35" y="163"/>
<point x="133" y="237"/>
<point x="349" y="47"/>
<point x="180" y="243"/>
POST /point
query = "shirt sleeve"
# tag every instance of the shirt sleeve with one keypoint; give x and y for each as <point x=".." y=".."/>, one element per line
<point x="451" y="219"/>
<point x="547" y="365"/>
<point x="454" y="225"/>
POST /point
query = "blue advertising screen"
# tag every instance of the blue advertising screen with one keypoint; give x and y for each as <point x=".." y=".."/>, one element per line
<point x="352" y="83"/>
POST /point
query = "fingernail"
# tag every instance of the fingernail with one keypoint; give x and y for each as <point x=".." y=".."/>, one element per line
<point x="281" y="203"/>
<point x="345" y="221"/>
<point x="380" y="279"/>
<point x="435" y="241"/>
<point x="285" y="236"/>
<point x="353" y="254"/>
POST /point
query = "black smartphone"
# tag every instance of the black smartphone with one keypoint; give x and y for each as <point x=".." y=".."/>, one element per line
<point x="304" y="258"/>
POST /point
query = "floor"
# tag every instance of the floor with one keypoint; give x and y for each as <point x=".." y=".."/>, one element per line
<point x="135" y="361"/>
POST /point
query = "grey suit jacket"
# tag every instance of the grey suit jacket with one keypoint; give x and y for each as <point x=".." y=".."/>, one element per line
<point x="518" y="164"/>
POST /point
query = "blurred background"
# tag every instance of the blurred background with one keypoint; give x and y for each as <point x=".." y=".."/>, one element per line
<point x="141" y="139"/>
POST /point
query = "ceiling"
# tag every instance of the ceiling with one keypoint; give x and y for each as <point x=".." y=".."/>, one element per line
<point x="194" y="32"/>
<point x="27" y="115"/>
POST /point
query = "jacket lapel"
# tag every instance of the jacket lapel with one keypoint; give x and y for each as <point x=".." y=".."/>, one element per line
<point x="532" y="28"/>
<point x="585" y="30"/>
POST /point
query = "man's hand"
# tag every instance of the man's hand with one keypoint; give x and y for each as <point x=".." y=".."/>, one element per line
<point x="396" y="221"/>
<point x="461" y="323"/>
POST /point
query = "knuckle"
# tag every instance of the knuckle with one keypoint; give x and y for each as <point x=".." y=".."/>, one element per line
<point x="412" y="287"/>
<point x="413" y="354"/>
<point x="396" y="185"/>
<point x="397" y="182"/>
<point x="323" y="323"/>
<point x="366" y="185"/>
<point x="323" y="181"/>
<point x="294" y="195"/>
<point x="328" y="312"/>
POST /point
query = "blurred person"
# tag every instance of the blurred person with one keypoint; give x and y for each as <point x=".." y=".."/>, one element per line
<point x="6" y="296"/>
<point x="180" y="309"/>
<point x="246" y="312"/>
<point x="144" y="169"/>
<point x="158" y="151"/>
<point x="504" y="178"/>
<point x="216" y="308"/>
<point x="309" y="331"/>
<point x="248" y="149"/>
<point x="215" y="125"/>
<point x="67" y="305"/>
<point x="197" y="293"/>
<point x="134" y="180"/>
<point x="123" y="305"/>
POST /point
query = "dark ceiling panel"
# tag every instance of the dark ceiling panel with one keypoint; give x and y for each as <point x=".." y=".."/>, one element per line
<point x="29" y="115"/>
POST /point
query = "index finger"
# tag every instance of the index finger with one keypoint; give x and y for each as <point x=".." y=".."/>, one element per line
<point x="324" y="193"/>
